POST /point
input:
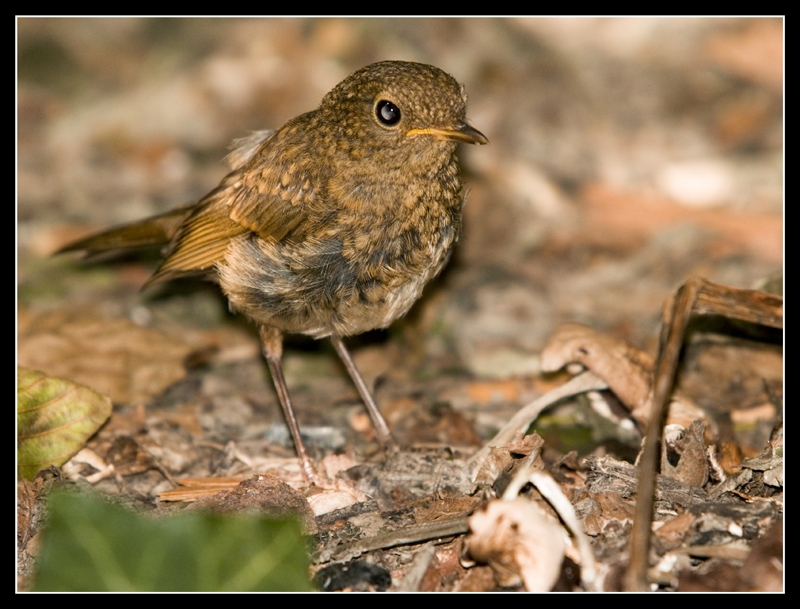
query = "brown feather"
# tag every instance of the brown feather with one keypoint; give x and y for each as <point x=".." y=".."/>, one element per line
<point x="332" y="225"/>
<point x="158" y="230"/>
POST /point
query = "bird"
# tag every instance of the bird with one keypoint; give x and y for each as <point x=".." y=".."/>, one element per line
<point x="331" y="225"/>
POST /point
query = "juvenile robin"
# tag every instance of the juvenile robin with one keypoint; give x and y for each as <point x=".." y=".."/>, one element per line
<point x="331" y="225"/>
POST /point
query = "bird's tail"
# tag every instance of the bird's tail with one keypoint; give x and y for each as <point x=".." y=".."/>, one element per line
<point x="157" y="230"/>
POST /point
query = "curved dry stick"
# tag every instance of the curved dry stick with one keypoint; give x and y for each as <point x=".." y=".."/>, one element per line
<point x="519" y="423"/>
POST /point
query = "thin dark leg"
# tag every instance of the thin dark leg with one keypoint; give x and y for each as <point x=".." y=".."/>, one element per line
<point x="272" y="343"/>
<point x="378" y="421"/>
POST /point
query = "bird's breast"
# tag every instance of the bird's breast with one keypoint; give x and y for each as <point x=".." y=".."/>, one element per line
<point x="358" y="273"/>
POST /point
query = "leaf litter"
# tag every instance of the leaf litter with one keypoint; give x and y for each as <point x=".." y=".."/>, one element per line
<point x="586" y="210"/>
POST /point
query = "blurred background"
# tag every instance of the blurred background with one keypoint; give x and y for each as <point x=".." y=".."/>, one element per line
<point x="625" y="156"/>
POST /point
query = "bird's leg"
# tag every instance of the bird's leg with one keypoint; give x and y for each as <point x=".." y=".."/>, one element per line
<point x="378" y="421"/>
<point x="272" y="344"/>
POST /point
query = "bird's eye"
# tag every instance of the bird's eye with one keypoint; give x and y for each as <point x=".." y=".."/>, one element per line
<point x="388" y="114"/>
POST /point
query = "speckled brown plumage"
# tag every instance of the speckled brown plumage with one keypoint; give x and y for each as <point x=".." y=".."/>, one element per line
<point x="333" y="224"/>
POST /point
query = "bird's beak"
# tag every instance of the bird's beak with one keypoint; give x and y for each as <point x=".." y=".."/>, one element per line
<point x="461" y="133"/>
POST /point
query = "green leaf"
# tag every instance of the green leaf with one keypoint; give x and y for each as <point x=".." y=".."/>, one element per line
<point x="55" y="418"/>
<point x="90" y="545"/>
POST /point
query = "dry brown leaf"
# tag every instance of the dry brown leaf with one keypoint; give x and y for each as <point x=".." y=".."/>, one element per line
<point x="672" y="532"/>
<point x="113" y="356"/>
<point x="628" y="371"/>
<point x="689" y="446"/>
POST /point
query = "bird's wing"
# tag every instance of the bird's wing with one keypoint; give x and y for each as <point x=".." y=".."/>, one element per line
<point x="268" y="195"/>
<point x="201" y="241"/>
<point x="283" y="180"/>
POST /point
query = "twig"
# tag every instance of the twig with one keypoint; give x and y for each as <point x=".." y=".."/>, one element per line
<point x="407" y="535"/>
<point x="519" y="423"/>
<point x="696" y="296"/>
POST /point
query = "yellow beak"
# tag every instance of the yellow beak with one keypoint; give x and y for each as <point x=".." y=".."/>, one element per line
<point x="461" y="133"/>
